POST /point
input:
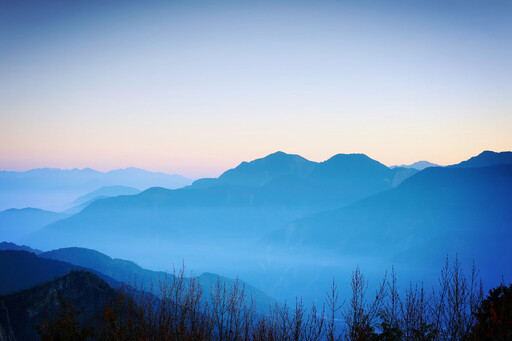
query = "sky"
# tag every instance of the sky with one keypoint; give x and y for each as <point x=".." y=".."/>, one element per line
<point x="196" y="87"/>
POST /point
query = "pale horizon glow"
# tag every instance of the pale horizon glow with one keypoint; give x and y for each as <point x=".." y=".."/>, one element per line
<point x="194" y="174"/>
<point x="195" y="88"/>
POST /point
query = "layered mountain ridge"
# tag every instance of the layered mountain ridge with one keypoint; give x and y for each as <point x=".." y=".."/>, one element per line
<point x="247" y="201"/>
<point x="266" y="219"/>
<point x="53" y="189"/>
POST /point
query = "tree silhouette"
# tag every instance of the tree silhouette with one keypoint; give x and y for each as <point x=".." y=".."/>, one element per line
<point x="494" y="315"/>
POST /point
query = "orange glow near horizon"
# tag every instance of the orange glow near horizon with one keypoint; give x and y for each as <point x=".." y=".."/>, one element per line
<point x="195" y="89"/>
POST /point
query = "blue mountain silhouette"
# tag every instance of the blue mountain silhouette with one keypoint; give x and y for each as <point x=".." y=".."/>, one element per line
<point x="247" y="201"/>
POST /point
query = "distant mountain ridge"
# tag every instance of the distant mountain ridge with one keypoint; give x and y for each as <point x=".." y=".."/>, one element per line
<point x="104" y="192"/>
<point x="53" y="189"/>
<point x="18" y="223"/>
<point x="55" y="178"/>
<point x="419" y="165"/>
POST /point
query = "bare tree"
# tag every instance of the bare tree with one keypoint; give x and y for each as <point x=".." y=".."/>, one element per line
<point x="334" y="307"/>
<point x="361" y="316"/>
<point x="178" y="311"/>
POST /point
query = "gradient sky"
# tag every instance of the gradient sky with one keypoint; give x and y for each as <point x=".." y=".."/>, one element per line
<point x="195" y="87"/>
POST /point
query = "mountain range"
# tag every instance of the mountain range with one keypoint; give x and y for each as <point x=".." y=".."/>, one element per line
<point x="248" y="201"/>
<point x="53" y="189"/>
<point x="437" y="212"/>
<point x="267" y="219"/>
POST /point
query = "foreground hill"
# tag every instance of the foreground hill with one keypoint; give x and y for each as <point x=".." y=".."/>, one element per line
<point x="245" y="202"/>
<point x="18" y="223"/>
<point x="53" y="189"/>
<point x="21" y="312"/>
<point x="438" y="211"/>
<point x="21" y="270"/>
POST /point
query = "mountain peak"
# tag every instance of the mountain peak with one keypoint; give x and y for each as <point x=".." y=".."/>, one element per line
<point x="350" y="156"/>
<point x="419" y="165"/>
<point x="355" y="160"/>
<point x="279" y="155"/>
<point x="279" y="152"/>
<point x="260" y="171"/>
